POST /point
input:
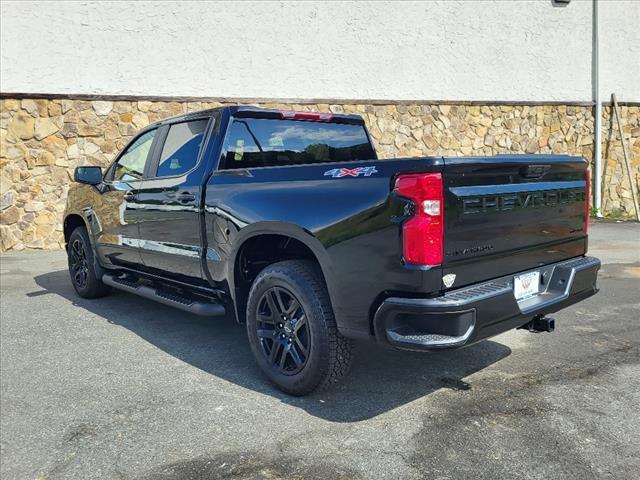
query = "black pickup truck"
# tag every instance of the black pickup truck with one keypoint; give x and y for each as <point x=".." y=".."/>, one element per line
<point x="288" y="221"/>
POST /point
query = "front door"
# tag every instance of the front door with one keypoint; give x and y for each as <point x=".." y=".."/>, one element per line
<point x="170" y="203"/>
<point x="117" y="214"/>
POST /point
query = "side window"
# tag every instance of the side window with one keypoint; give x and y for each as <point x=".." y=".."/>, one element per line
<point x="130" y="165"/>
<point x="243" y="150"/>
<point x="181" y="148"/>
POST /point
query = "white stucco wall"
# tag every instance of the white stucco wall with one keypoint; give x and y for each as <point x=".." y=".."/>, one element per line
<point x="445" y="50"/>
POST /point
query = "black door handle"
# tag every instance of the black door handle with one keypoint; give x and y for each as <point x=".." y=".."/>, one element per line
<point x="185" y="197"/>
<point x="129" y="197"/>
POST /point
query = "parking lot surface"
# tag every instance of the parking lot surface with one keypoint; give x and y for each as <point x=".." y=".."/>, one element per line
<point x="125" y="388"/>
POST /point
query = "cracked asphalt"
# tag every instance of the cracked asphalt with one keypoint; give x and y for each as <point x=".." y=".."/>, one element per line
<point x="125" y="388"/>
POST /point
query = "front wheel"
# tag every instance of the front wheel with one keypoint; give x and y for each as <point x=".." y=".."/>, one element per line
<point x="292" y="330"/>
<point x="82" y="268"/>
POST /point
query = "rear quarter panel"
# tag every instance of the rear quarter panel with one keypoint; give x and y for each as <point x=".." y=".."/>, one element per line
<point x="350" y="223"/>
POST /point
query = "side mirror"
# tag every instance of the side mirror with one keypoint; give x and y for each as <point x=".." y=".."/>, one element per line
<point x="89" y="175"/>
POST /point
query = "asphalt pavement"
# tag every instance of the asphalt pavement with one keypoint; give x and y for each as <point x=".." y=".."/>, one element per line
<point x="124" y="388"/>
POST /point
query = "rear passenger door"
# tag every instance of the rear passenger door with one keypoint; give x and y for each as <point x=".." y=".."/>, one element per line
<point x="169" y="199"/>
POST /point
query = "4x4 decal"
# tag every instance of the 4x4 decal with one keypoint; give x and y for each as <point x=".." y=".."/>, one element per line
<point x="350" y="172"/>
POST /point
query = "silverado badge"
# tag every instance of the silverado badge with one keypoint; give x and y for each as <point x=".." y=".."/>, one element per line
<point x="350" y="172"/>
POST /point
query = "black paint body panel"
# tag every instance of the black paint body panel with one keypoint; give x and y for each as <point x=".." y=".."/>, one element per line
<point x="499" y="219"/>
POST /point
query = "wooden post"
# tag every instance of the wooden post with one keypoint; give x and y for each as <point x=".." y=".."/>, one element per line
<point x="626" y="157"/>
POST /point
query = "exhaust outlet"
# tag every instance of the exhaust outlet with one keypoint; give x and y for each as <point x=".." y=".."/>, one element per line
<point x="540" y="324"/>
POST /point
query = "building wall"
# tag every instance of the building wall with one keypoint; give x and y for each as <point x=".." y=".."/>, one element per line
<point x="44" y="140"/>
<point x="430" y="78"/>
<point x="525" y="50"/>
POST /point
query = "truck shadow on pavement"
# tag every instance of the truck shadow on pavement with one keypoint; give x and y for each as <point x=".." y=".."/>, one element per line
<point x="380" y="380"/>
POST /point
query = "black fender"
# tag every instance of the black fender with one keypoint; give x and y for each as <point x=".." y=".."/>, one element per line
<point x="282" y="229"/>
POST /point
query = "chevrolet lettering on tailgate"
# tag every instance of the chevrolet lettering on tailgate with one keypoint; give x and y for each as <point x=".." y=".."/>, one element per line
<point x="522" y="200"/>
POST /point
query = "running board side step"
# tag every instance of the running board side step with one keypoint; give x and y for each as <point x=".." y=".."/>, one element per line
<point x="207" y="309"/>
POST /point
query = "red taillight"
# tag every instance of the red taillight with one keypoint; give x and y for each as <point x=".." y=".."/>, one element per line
<point x="317" y="116"/>
<point x="587" y="200"/>
<point x="422" y="234"/>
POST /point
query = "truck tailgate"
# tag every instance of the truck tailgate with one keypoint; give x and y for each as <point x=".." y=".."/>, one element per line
<point x="506" y="214"/>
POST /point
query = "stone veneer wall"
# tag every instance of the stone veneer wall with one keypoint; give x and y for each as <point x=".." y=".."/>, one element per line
<point x="43" y="141"/>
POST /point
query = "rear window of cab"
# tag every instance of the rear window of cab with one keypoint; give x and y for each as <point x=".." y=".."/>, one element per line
<point x="266" y="142"/>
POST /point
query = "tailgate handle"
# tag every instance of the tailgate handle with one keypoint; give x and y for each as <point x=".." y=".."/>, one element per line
<point x="534" y="171"/>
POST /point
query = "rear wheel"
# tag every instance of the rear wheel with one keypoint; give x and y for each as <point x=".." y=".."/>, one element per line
<point x="81" y="266"/>
<point x="292" y="330"/>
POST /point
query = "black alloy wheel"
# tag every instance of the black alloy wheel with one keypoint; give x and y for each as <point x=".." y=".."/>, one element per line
<point x="283" y="331"/>
<point x="291" y="328"/>
<point x="79" y="265"/>
<point x="85" y="278"/>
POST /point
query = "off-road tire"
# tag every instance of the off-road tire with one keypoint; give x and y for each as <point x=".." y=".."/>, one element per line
<point x="86" y="283"/>
<point x="329" y="354"/>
